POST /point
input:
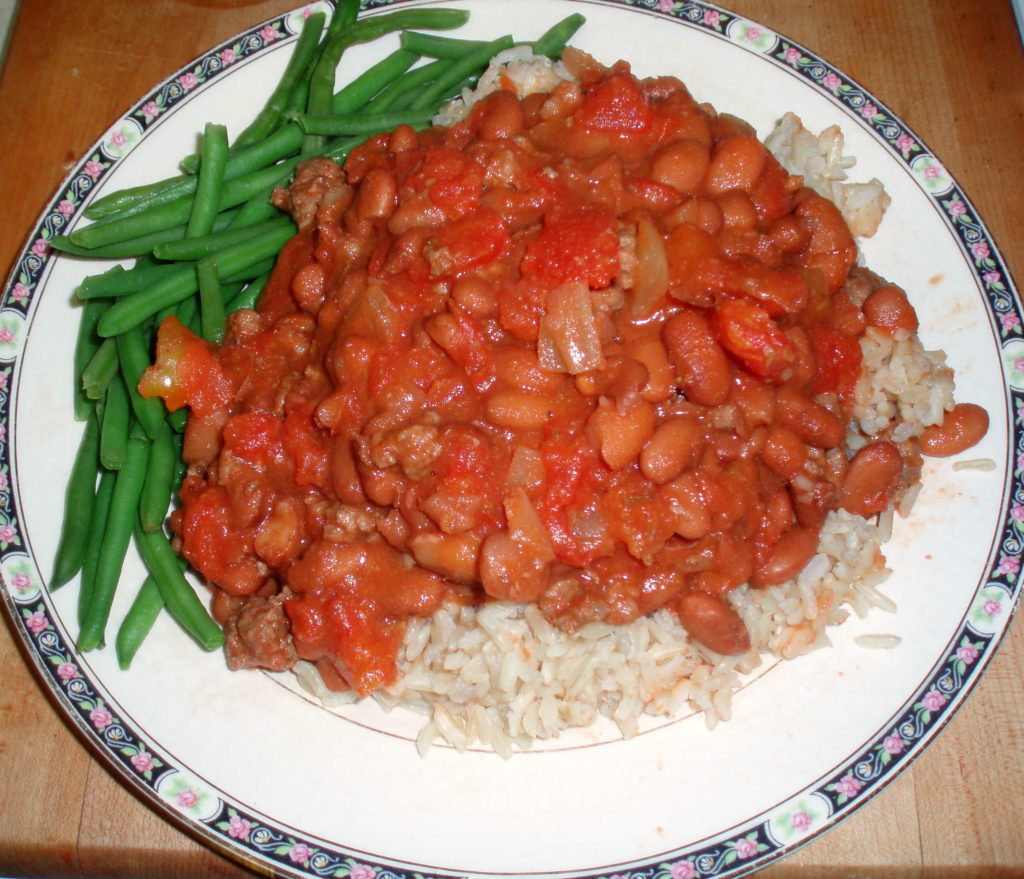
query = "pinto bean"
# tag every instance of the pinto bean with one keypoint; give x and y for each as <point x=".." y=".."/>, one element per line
<point x="736" y="163"/>
<point x="888" y="308"/>
<point x="700" y="362"/>
<point x="621" y="435"/>
<point x="712" y="621"/>
<point x="660" y="379"/>
<point x="738" y="211"/>
<point x="402" y="139"/>
<point x="681" y="164"/>
<point x="378" y="194"/>
<point x="508" y="573"/>
<point x="703" y="213"/>
<point x="870" y="479"/>
<point x="518" y="409"/>
<point x="960" y="429"/>
<point x="787" y="558"/>
<point x="453" y="556"/>
<point x="810" y="421"/>
<point x="675" y="446"/>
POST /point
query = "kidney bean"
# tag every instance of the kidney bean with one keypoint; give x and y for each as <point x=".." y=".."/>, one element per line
<point x="736" y="163"/>
<point x="501" y="116"/>
<point x="810" y="421"/>
<point x="713" y="622"/>
<point x="738" y="211"/>
<point x="784" y="452"/>
<point x="403" y="139"/>
<point x="870" y="479"/>
<point x="651" y="353"/>
<point x="681" y="164"/>
<point x="960" y="429"/>
<point x="684" y="499"/>
<point x="700" y="362"/>
<point x="702" y="213"/>
<point x="787" y="558"/>
<point x="844" y="316"/>
<point x="888" y="308"/>
<point x="675" y="446"/>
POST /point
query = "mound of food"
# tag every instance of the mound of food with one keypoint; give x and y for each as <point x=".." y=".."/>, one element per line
<point x="571" y="407"/>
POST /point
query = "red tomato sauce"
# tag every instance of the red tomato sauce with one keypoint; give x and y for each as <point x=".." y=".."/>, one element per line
<point x="591" y="349"/>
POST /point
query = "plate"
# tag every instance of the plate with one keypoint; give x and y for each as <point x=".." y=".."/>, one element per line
<point x="306" y="792"/>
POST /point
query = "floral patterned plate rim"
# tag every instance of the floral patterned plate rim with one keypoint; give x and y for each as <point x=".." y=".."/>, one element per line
<point x="306" y="815"/>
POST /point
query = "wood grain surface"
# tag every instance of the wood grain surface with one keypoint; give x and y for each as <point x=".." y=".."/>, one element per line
<point x="953" y="70"/>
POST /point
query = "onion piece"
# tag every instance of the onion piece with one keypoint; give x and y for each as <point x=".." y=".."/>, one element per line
<point x="569" y="339"/>
<point x="650" y="276"/>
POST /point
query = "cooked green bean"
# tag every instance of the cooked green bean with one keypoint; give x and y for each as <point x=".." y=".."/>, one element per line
<point x="176" y="212"/>
<point x="95" y="528"/>
<point x="459" y="70"/>
<point x="358" y="93"/>
<point x="178" y="595"/>
<point x="159" y="483"/>
<point x="305" y="49"/>
<point x="87" y="343"/>
<point x="321" y="84"/>
<point x="115" y="424"/>
<point x="436" y="46"/>
<point x="100" y="370"/>
<point x="407" y="84"/>
<point x="125" y="199"/>
<point x="79" y="501"/>
<point x="196" y="248"/>
<point x="552" y="41"/>
<point x="110" y="285"/>
<point x="206" y="201"/>
<point x="247" y="296"/>
<point x="120" y="523"/>
<point x="134" y="357"/>
<point x="134" y="309"/>
<point x="138" y="246"/>
<point x="211" y="300"/>
<point x="138" y="622"/>
<point x="360" y="123"/>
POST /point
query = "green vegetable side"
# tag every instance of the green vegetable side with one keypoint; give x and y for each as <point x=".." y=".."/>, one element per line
<point x="204" y="243"/>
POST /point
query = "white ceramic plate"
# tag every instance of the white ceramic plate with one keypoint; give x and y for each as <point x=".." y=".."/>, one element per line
<point x="260" y="772"/>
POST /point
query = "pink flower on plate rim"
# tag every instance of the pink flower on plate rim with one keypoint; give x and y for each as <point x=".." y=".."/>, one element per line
<point x="957" y="208"/>
<point x="746" y="848"/>
<point x="933" y="700"/>
<point x="967" y="653"/>
<point x="869" y="111"/>
<point x="19" y="292"/>
<point x="228" y="56"/>
<point x="93" y="169"/>
<point x="65" y="207"/>
<point x="299" y="853"/>
<point x="980" y="250"/>
<point x="1009" y="320"/>
<point x="238" y="828"/>
<point x="905" y="143"/>
<point x="682" y="870"/>
<point x="67" y="671"/>
<point x="793" y="56"/>
<point x="269" y="33"/>
<point x="800" y="820"/>
<point x="100" y="717"/>
<point x="40" y="247"/>
<point x="832" y="82"/>
<point x="893" y="743"/>
<point x="21" y="582"/>
<point x="187" y="798"/>
<point x="7" y="534"/>
<point x="991" y="607"/>
<point x="36" y="622"/>
<point x="712" y="18"/>
<point x="6" y="335"/>
<point x="362" y="871"/>
<point x="118" y="139"/>
<point x="666" y="5"/>
<point x="151" y="109"/>
<point x="142" y="761"/>
<point x="848" y="785"/>
<point x="188" y="81"/>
